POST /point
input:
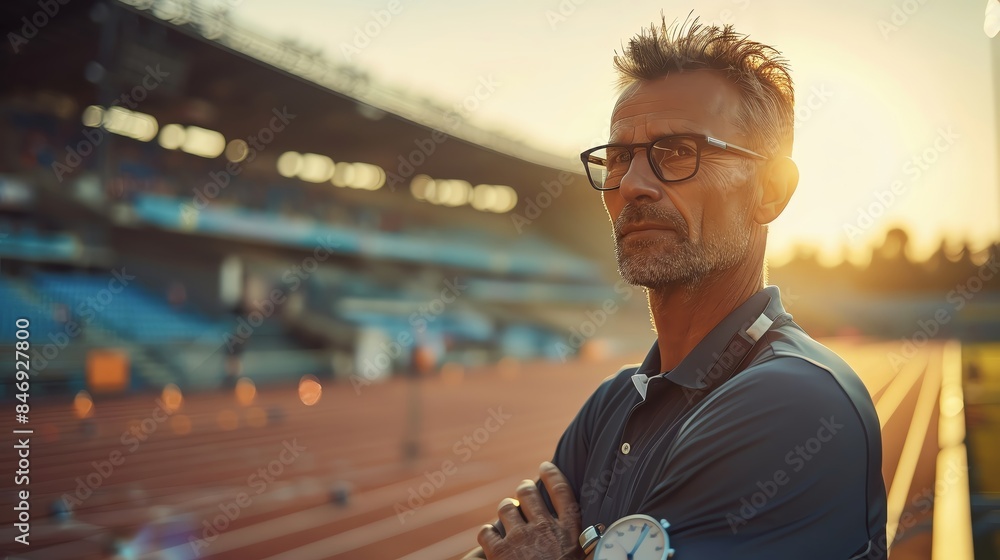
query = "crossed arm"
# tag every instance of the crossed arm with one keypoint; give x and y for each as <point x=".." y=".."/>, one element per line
<point x="532" y="532"/>
<point x="752" y="477"/>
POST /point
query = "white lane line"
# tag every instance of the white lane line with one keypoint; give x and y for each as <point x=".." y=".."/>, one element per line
<point x="909" y="457"/>
<point x="952" y="522"/>
<point x="391" y="526"/>
<point x="900" y="387"/>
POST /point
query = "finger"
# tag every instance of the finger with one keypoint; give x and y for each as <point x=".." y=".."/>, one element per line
<point x="531" y="502"/>
<point x="489" y="539"/>
<point x="508" y="513"/>
<point x="560" y="491"/>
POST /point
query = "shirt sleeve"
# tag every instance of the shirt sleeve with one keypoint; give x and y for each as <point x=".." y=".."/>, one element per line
<point x="775" y="466"/>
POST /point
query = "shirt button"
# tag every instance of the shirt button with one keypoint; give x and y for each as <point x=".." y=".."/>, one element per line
<point x="625" y="448"/>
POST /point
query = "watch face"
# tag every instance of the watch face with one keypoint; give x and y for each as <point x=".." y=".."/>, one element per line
<point x="635" y="537"/>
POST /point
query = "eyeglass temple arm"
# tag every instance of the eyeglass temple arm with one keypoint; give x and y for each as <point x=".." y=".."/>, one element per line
<point x="726" y="146"/>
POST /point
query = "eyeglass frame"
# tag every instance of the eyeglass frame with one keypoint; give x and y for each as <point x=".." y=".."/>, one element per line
<point x="701" y="141"/>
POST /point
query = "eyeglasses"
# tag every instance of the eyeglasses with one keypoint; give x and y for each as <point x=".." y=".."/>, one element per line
<point x="672" y="158"/>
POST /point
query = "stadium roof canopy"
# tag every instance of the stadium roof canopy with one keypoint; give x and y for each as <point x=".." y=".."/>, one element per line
<point x="231" y="80"/>
<point x="228" y="78"/>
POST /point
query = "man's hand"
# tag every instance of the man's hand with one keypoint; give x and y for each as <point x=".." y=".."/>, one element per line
<point x="536" y="535"/>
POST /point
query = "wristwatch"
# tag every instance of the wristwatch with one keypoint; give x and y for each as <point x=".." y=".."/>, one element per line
<point x="633" y="537"/>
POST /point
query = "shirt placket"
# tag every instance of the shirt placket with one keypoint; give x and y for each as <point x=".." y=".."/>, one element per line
<point x="630" y="451"/>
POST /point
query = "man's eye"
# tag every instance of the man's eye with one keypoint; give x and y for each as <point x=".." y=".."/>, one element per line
<point x="678" y="152"/>
<point x="620" y="156"/>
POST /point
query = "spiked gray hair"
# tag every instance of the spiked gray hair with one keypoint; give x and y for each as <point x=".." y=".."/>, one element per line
<point x="760" y="72"/>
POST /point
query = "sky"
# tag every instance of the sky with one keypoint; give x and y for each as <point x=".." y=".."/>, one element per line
<point x="895" y="108"/>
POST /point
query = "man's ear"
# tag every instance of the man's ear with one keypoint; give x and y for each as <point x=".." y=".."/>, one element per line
<point x="780" y="179"/>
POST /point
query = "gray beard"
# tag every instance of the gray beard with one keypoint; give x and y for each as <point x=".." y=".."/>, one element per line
<point x="650" y="263"/>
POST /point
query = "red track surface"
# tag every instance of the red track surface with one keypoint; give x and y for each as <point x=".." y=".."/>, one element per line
<point x="170" y="486"/>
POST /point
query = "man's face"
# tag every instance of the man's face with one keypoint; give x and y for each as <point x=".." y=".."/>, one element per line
<point x="677" y="233"/>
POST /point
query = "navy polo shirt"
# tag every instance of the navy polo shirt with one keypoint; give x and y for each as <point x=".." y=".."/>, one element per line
<point x="761" y="443"/>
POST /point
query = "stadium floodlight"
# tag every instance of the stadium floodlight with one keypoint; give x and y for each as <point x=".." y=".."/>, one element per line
<point x="171" y="136"/>
<point x="237" y="150"/>
<point x="92" y="116"/>
<point x="484" y="197"/>
<point x="421" y="186"/>
<point x="316" y="168"/>
<point x="453" y="192"/>
<point x="380" y="182"/>
<point x="507" y="199"/>
<point x="289" y="164"/>
<point x="364" y="176"/>
<point x="343" y="174"/>
<point x="368" y="177"/>
<point x="131" y="124"/>
<point x="494" y="198"/>
<point x="457" y="192"/>
<point x="203" y="142"/>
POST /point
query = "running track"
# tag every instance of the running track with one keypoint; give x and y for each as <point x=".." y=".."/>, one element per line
<point x="166" y="488"/>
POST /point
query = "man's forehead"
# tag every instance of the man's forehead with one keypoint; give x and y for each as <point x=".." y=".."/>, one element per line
<point x="693" y="97"/>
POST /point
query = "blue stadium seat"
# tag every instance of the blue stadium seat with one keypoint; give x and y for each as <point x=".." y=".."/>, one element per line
<point x="16" y="307"/>
<point x="132" y="313"/>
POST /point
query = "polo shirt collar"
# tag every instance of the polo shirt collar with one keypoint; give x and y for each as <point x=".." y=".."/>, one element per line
<point x="712" y="360"/>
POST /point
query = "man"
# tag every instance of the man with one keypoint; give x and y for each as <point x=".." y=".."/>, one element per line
<point x="751" y="439"/>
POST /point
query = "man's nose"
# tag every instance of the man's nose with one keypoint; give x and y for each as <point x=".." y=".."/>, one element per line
<point x="640" y="183"/>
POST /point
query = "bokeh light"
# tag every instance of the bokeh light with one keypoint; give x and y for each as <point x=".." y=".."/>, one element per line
<point x="246" y="391"/>
<point x="172" y="397"/>
<point x="310" y="390"/>
<point x="83" y="405"/>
